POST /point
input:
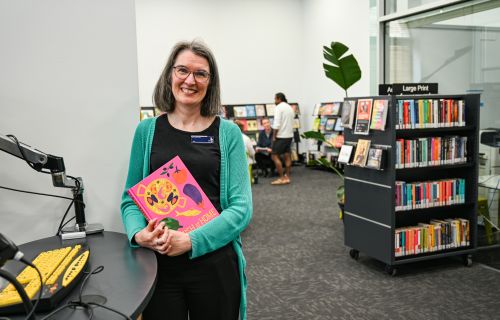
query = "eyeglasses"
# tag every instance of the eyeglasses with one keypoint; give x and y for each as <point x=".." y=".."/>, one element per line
<point x="182" y="73"/>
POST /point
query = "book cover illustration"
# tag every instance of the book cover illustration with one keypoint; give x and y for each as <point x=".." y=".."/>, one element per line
<point x="375" y="158"/>
<point x="251" y="112"/>
<point x="363" y="116"/>
<point x="361" y="152"/>
<point x="379" y="114"/>
<point x="335" y="108"/>
<point x="347" y="115"/>
<point x="240" y="111"/>
<point x="327" y="109"/>
<point x="338" y="125"/>
<point x="345" y="153"/>
<point x="172" y="195"/>
<point x="330" y="124"/>
<point x="252" y="125"/>
<point x="260" y="110"/>
<point x="270" y="109"/>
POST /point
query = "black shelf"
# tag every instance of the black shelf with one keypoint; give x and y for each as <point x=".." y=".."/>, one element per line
<point x="434" y="255"/>
<point x="416" y="170"/>
<point x="370" y="218"/>
<point x="419" y="132"/>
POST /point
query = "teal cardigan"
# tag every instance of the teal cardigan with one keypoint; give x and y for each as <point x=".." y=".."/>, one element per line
<point x="235" y="196"/>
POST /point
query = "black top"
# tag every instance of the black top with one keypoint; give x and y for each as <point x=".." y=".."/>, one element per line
<point x="265" y="141"/>
<point x="202" y="157"/>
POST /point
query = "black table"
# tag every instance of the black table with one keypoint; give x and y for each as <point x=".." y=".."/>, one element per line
<point x="126" y="283"/>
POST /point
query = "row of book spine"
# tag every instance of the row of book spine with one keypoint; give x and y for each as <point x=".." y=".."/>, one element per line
<point x="430" y="151"/>
<point x="428" y="194"/>
<point x="430" y="113"/>
<point x="433" y="236"/>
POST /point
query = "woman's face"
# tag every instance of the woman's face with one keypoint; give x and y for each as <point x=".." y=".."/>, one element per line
<point x="190" y="91"/>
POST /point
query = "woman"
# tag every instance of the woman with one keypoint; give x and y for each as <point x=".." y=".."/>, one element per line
<point x="200" y="273"/>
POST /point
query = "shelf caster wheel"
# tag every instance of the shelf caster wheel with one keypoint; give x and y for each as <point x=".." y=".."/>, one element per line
<point x="391" y="270"/>
<point x="354" y="254"/>
<point x="467" y="260"/>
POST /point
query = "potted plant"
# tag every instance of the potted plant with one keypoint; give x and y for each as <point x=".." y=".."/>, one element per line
<point x="344" y="71"/>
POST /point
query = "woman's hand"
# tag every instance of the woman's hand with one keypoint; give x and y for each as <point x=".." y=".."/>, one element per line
<point x="153" y="237"/>
<point x="179" y="243"/>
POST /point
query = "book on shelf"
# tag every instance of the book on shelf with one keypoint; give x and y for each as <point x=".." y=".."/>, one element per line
<point x="348" y="111"/>
<point x="252" y="125"/>
<point x="270" y="109"/>
<point x="345" y="153"/>
<point x="317" y="106"/>
<point x="430" y="151"/>
<point x="429" y="194"/>
<point x="240" y="111"/>
<point x="322" y="123"/>
<point x="146" y="112"/>
<point x="260" y="110"/>
<point x="330" y="109"/>
<point x="437" y="235"/>
<point x="361" y="154"/>
<point x="171" y="194"/>
<point x="379" y="114"/>
<point x="338" y="125"/>
<point x="375" y="158"/>
<point x="363" y="116"/>
<point x="251" y="110"/>
<point x="430" y="113"/>
<point x="330" y="124"/>
<point x="316" y="124"/>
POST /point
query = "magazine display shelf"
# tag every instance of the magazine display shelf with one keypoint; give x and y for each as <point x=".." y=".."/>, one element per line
<point x="370" y="218"/>
<point x="230" y="114"/>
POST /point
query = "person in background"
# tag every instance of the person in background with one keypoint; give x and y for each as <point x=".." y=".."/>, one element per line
<point x="248" y="147"/>
<point x="282" y="138"/>
<point x="200" y="273"/>
<point x="263" y="149"/>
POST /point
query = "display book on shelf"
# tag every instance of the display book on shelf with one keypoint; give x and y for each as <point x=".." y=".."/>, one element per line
<point x="422" y="203"/>
<point x="327" y="119"/>
<point x="250" y="115"/>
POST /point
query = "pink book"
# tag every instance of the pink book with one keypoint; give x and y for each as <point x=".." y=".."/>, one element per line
<point x="172" y="194"/>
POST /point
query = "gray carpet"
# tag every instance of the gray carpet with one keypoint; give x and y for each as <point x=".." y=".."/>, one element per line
<point x="299" y="268"/>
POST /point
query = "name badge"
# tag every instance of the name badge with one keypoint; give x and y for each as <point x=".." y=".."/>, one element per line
<point x="202" y="139"/>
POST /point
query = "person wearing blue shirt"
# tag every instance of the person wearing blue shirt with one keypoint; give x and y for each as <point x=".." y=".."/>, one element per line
<point x="263" y="148"/>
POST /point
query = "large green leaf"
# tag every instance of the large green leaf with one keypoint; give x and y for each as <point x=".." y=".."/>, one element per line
<point x="314" y="135"/>
<point x="344" y="71"/>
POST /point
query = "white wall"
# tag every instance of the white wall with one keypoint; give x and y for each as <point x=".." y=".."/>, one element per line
<point x="68" y="86"/>
<point x="261" y="46"/>
<point x="257" y="44"/>
<point x="325" y="21"/>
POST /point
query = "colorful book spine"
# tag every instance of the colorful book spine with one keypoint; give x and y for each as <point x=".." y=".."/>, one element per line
<point x="430" y="113"/>
<point x="428" y="194"/>
<point x="430" y="151"/>
<point x="437" y="235"/>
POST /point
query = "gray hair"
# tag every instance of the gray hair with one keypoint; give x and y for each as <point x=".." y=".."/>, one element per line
<point x="163" y="96"/>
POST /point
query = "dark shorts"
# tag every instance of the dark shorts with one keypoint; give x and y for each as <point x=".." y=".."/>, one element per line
<point x="282" y="145"/>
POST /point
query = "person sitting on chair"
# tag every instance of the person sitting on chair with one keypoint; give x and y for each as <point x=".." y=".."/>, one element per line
<point x="263" y="149"/>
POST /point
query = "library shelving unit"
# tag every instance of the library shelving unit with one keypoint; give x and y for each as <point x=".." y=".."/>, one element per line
<point x="327" y="118"/>
<point x="251" y="115"/>
<point x="370" y="218"/>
